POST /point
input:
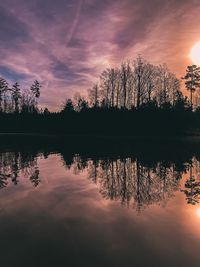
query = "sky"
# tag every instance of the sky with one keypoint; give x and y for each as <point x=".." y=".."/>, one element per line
<point x="66" y="44"/>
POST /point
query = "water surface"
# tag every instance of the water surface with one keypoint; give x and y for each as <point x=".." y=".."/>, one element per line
<point x="61" y="208"/>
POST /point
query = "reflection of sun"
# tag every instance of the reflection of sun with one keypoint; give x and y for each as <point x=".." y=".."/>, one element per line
<point x="198" y="212"/>
<point x="195" y="54"/>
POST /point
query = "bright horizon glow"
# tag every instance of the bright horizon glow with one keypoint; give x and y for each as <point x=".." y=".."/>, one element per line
<point x="195" y="54"/>
<point x="198" y="212"/>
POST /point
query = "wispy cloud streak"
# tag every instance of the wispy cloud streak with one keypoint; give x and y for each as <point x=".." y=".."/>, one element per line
<point x="67" y="43"/>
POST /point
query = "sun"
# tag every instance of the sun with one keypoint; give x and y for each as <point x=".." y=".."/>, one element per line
<point x="195" y="54"/>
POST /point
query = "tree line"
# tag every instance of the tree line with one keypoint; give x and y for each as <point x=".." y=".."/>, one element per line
<point x="134" y="84"/>
<point x="15" y="100"/>
<point x="136" y="98"/>
<point x="138" y="84"/>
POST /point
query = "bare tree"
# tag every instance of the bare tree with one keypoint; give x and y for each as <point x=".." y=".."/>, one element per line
<point x="105" y="87"/>
<point x="139" y="73"/>
<point x="151" y="73"/>
<point x="126" y="74"/>
<point x="94" y="95"/>
<point x="134" y="85"/>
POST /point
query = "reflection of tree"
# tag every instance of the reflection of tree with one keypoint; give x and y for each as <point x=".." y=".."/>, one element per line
<point x="3" y="180"/>
<point x="132" y="182"/>
<point x="35" y="178"/>
<point x="129" y="180"/>
<point x="192" y="185"/>
<point x="79" y="164"/>
<point x="15" y="164"/>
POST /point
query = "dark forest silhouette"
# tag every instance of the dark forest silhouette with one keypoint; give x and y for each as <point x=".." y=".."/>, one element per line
<point x="137" y="98"/>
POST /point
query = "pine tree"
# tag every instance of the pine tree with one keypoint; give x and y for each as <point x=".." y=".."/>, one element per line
<point x="16" y="95"/>
<point x="192" y="80"/>
<point x="3" y="89"/>
<point x="35" y="89"/>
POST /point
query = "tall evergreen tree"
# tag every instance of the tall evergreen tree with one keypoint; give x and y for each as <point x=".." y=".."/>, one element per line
<point x="35" y="89"/>
<point x="192" y="80"/>
<point x="16" y="95"/>
<point x="3" y="89"/>
<point x="68" y="106"/>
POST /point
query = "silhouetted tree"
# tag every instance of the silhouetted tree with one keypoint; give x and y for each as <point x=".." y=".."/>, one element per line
<point x="94" y="96"/>
<point x="46" y="111"/>
<point x="3" y="88"/>
<point x="82" y="104"/>
<point x="105" y="85"/>
<point x="151" y="73"/>
<point x="16" y="95"/>
<point x="139" y="70"/>
<point x="192" y="80"/>
<point x="126" y="73"/>
<point x="28" y="103"/>
<point x="68" y="106"/>
<point x="35" y="89"/>
<point x="133" y="85"/>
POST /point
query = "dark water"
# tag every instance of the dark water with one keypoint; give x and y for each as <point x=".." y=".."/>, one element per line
<point x="63" y="208"/>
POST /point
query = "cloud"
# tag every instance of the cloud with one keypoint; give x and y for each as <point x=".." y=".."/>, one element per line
<point x="66" y="44"/>
<point x="13" y="32"/>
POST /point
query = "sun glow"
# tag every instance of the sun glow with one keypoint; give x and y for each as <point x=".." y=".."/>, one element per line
<point x="195" y="54"/>
<point x="198" y="212"/>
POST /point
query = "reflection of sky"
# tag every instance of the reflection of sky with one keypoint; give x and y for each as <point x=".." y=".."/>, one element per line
<point x="66" y="44"/>
<point x="66" y="220"/>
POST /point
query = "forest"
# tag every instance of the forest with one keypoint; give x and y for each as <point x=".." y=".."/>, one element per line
<point x="137" y="98"/>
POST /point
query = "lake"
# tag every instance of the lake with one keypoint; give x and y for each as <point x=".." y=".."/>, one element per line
<point x="125" y="205"/>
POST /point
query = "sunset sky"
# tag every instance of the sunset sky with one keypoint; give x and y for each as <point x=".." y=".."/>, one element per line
<point x="66" y="44"/>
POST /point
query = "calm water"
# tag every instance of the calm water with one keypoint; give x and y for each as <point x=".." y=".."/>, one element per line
<point x="66" y="209"/>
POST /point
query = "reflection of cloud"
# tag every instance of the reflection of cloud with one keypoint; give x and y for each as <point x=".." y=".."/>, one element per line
<point x="66" y="44"/>
<point x="198" y="212"/>
<point x="68" y="218"/>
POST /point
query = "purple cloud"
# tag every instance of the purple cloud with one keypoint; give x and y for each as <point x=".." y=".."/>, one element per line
<point x="66" y="44"/>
